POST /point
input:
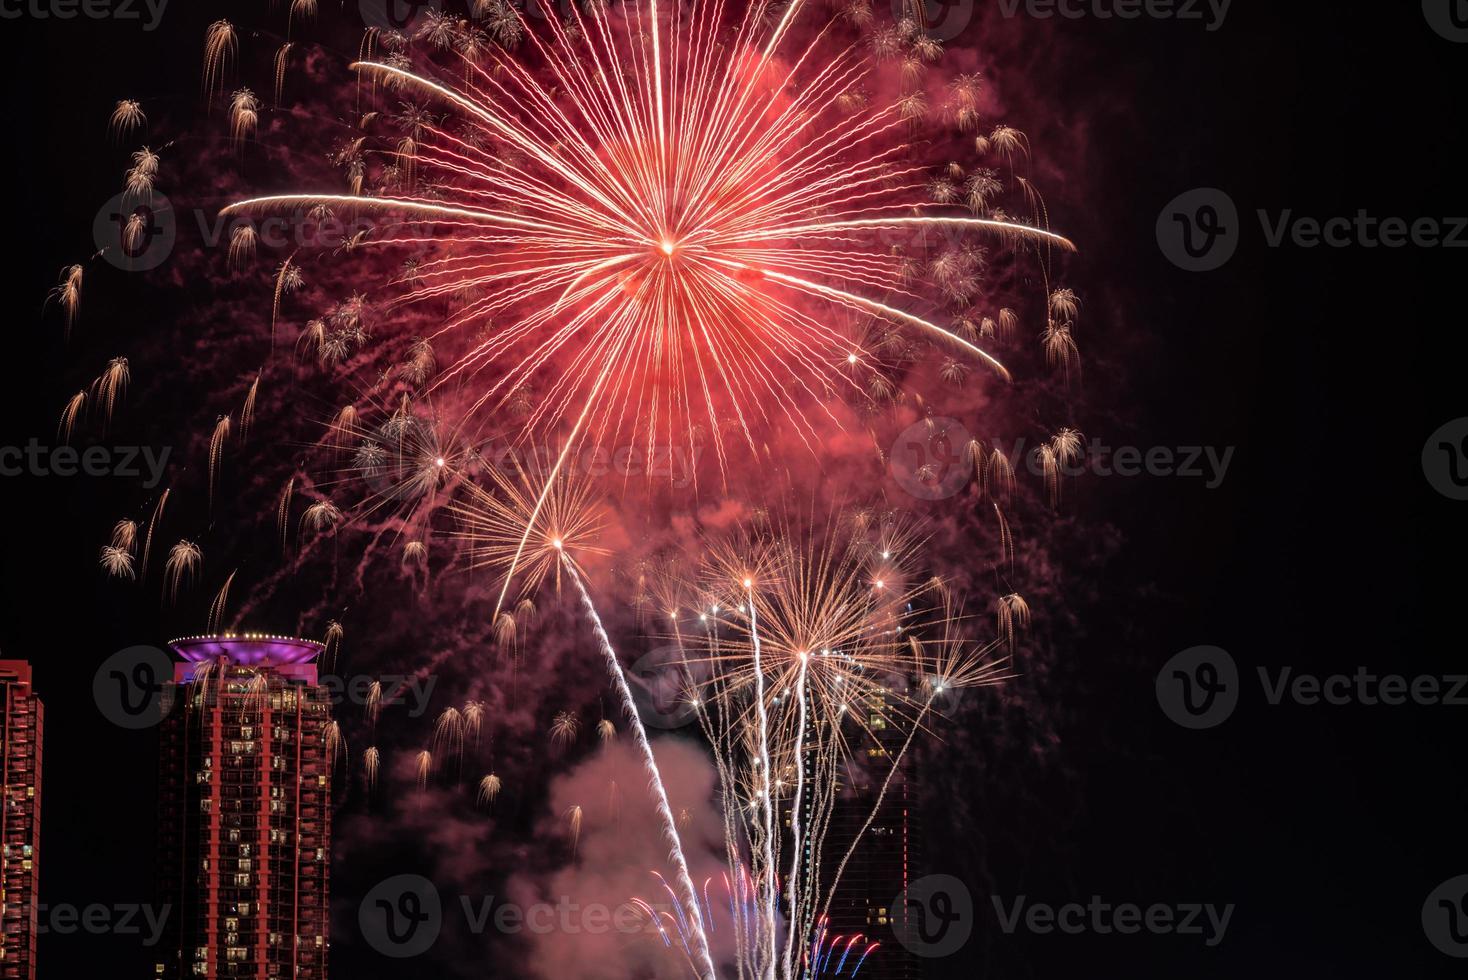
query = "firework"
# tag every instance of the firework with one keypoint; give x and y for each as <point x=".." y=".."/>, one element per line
<point x="247" y="411"/>
<point x="282" y="59"/>
<point x="221" y="46"/>
<point x="216" y="453"/>
<point x="371" y="763"/>
<point x="372" y="707"/>
<point x="473" y="721"/>
<point x="73" y="410"/>
<point x="153" y="520"/>
<point x="336" y="744"/>
<point x="68" y="294"/>
<point x="574" y="817"/>
<point x="448" y="735"/>
<point x="658" y="223"/>
<point x="117" y="562"/>
<point x="110" y="386"/>
<point x="564" y="728"/>
<point x="140" y="177"/>
<point x="529" y="523"/>
<point x="125" y="535"/>
<point x="183" y="562"/>
<point x="220" y="604"/>
<point x="244" y="115"/>
<point x="126" y="117"/>
<point x="489" y="789"/>
<point x="242" y="243"/>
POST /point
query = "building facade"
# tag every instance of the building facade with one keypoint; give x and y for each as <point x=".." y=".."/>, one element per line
<point x="245" y="811"/>
<point x="868" y="900"/>
<point x="20" y="823"/>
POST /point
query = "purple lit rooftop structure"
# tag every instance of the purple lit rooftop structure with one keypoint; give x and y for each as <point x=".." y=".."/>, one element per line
<point x="290" y="657"/>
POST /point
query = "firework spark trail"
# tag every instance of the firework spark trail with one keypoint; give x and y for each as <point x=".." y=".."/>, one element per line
<point x="797" y="846"/>
<point x="689" y="898"/>
<point x="862" y="959"/>
<point x="767" y="877"/>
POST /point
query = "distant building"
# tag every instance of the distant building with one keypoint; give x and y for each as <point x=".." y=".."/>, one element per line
<point x="245" y="811"/>
<point x="882" y="866"/>
<point x="20" y="825"/>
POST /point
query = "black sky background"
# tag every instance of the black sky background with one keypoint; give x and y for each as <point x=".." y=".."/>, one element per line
<point x="1325" y="548"/>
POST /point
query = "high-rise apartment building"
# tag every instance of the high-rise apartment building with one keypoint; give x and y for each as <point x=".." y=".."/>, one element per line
<point x="867" y="901"/>
<point x="20" y="823"/>
<point x="245" y="811"/>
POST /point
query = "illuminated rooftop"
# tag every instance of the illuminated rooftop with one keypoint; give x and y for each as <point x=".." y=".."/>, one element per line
<point x="247" y="649"/>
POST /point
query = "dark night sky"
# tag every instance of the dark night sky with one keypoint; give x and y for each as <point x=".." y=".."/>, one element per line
<point x="1327" y="369"/>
